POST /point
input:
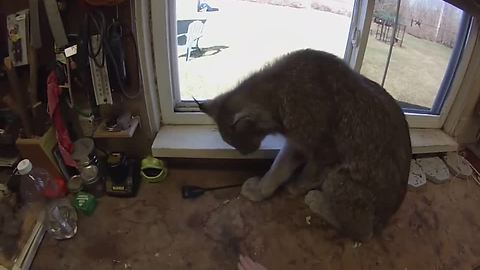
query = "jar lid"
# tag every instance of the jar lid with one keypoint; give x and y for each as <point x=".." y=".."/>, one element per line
<point x="24" y="167"/>
<point x="75" y="184"/>
<point x="89" y="174"/>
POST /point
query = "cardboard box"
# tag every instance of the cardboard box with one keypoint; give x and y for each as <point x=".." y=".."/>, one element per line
<point x="40" y="152"/>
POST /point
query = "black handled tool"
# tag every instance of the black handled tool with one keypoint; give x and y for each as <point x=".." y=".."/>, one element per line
<point x="190" y="192"/>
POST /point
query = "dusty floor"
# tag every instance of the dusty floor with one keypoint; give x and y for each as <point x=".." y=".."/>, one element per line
<point x="437" y="228"/>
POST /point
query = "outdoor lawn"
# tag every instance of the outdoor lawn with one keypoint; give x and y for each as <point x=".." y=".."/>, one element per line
<point x="416" y="69"/>
<point x="242" y="36"/>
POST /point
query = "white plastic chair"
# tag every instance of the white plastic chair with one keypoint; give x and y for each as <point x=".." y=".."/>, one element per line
<point x="194" y="33"/>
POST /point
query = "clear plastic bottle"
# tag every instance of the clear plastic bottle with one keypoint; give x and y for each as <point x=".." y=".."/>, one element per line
<point x="32" y="183"/>
<point x="36" y="186"/>
<point x="36" y="183"/>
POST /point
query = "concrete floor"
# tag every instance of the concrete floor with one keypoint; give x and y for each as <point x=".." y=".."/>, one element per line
<point x="436" y="228"/>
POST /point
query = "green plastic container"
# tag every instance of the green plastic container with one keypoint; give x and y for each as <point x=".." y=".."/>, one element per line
<point x="85" y="203"/>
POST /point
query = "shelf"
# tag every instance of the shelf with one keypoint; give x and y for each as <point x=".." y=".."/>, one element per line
<point x="101" y="131"/>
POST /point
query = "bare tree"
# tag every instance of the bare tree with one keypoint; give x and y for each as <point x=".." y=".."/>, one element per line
<point x="385" y="9"/>
<point x="448" y="26"/>
<point x="434" y="20"/>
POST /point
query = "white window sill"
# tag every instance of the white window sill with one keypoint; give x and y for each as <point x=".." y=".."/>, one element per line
<point x="203" y="141"/>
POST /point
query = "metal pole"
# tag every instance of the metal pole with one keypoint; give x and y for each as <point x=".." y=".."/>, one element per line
<point x="392" y="42"/>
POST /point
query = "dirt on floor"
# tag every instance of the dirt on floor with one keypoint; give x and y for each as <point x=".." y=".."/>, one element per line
<point x="436" y="228"/>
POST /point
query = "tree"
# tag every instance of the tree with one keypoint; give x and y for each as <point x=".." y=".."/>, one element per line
<point x="385" y="9"/>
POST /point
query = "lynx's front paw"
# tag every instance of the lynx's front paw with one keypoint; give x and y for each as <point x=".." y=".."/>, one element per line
<point x="296" y="190"/>
<point x="251" y="189"/>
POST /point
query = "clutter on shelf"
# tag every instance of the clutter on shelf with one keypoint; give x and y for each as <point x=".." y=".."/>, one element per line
<point x="69" y="86"/>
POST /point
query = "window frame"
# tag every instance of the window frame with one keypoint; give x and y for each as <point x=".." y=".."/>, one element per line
<point x="452" y="81"/>
<point x="452" y="68"/>
<point x="166" y="66"/>
<point x="174" y="111"/>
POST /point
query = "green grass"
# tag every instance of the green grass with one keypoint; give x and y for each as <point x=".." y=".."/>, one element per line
<point x="416" y="69"/>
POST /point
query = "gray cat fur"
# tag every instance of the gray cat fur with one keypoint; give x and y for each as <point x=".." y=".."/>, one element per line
<point x="345" y="133"/>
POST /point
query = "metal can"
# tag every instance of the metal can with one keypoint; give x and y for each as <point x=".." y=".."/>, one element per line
<point x="93" y="181"/>
<point x="84" y="152"/>
<point x="75" y="184"/>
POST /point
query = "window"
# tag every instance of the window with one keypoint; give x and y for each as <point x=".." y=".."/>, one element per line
<point x="221" y="42"/>
<point x="416" y="63"/>
<point x="211" y="45"/>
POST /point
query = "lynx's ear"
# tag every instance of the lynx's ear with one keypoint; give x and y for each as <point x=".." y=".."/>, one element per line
<point x="206" y="106"/>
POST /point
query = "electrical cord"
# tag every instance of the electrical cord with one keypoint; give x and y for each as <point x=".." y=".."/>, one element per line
<point x="117" y="68"/>
<point x="97" y="19"/>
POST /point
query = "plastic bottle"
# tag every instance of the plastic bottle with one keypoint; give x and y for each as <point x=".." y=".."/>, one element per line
<point x="36" y="186"/>
<point x="32" y="183"/>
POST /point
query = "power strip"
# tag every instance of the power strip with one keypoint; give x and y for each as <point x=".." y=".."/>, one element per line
<point x="100" y="79"/>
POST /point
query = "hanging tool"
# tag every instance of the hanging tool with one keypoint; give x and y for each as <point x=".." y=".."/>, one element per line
<point x="63" y="137"/>
<point x="56" y="23"/>
<point x="63" y="70"/>
<point x="35" y="34"/>
<point x="33" y="83"/>
<point x="191" y="192"/>
<point x="20" y="98"/>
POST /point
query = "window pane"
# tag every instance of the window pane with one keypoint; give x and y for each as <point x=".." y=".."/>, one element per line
<point x="237" y="37"/>
<point x="425" y="42"/>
